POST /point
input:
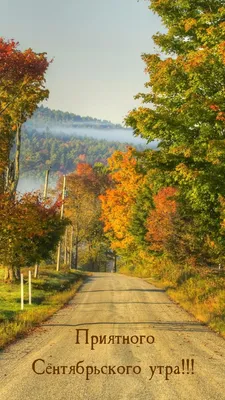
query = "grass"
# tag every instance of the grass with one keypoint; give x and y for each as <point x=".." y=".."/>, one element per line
<point x="203" y="295"/>
<point x="50" y="292"/>
<point x="200" y="291"/>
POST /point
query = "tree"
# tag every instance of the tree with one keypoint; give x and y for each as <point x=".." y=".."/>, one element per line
<point x="160" y="220"/>
<point x="83" y="209"/>
<point x="186" y="112"/>
<point x="118" y="201"/>
<point x="22" y="88"/>
<point x="29" y="231"/>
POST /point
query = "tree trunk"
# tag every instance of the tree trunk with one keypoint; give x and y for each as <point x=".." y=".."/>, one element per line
<point x="17" y="272"/>
<point x="12" y="274"/>
<point x="2" y="182"/>
<point x="14" y="169"/>
<point x="5" y="146"/>
<point x="115" y="264"/>
<point x="76" y="254"/>
<point x="36" y="270"/>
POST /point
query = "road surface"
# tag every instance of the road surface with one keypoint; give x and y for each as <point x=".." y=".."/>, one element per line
<point x="169" y="355"/>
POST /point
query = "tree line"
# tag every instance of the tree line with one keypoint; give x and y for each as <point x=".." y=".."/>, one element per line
<point x="171" y="202"/>
<point x="45" y="117"/>
<point x="40" y="150"/>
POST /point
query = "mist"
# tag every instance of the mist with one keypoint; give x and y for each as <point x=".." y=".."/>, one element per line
<point x="116" y="135"/>
<point x="31" y="184"/>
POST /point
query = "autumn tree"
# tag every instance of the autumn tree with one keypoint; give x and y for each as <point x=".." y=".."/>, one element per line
<point x="22" y="85"/>
<point x="29" y="231"/>
<point x="119" y="200"/>
<point x="159" y="223"/>
<point x="82" y="207"/>
<point x="185" y="110"/>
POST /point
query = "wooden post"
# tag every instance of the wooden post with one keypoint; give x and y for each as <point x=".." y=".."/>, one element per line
<point x="29" y="275"/>
<point x="76" y="254"/>
<point x="61" y="216"/>
<point x="58" y="257"/>
<point x="36" y="270"/>
<point x="22" y="292"/>
<point x="63" y="195"/>
<point x="71" y="248"/>
<point x="46" y="184"/>
<point x="65" y="248"/>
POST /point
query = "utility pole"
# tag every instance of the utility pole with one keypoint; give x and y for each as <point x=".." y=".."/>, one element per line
<point x="71" y="249"/>
<point x="65" y="247"/>
<point x="45" y="194"/>
<point x="46" y="184"/>
<point x="61" y="216"/>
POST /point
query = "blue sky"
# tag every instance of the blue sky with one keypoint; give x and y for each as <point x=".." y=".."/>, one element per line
<point x="96" y="46"/>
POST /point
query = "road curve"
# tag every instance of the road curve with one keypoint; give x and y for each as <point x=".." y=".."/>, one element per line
<point x="116" y="305"/>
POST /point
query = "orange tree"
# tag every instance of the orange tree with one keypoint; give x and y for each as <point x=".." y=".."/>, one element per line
<point x="119" y="200"/>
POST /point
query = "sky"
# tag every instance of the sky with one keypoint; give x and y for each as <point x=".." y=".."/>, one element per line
<point x="96" y="46"/>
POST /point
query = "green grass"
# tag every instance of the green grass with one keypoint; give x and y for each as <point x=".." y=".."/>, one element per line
<point x="49" y="293"/>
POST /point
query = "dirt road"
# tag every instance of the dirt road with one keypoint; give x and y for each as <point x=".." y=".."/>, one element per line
<point x="154" y="348"/>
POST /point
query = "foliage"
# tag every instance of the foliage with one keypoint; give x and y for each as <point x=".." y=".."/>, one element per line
<point x="63" y="152"/>
<point x="185" y="112"/>
<point x="22" y="88"/>
<point x="82" y="207"/>
<point x="118" y="200"/>
<point x="160" y="220"/>
<point x="29" y="229"/>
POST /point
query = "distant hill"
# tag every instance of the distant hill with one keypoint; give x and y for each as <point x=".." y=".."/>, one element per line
<point x="40" y="149"/>
<point x="62" y="140"/>
<point x="45" y="117"/>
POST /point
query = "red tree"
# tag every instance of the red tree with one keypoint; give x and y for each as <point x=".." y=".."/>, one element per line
<point x="160" y="221"/>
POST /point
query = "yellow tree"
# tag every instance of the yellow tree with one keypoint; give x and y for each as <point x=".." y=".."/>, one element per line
<point x="118" y="201"/>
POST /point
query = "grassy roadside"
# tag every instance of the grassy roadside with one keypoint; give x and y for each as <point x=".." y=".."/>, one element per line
<point x="200" y="291"/>
<point x="50" y="292"/>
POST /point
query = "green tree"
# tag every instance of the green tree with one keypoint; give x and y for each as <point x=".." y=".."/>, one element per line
<point x="186" y="112"/>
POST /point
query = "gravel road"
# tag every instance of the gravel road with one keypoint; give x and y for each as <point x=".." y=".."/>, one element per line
<point x="169" y="355"/>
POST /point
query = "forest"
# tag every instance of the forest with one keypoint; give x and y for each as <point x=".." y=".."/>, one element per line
<point x="42" y="149"/>
<point x="154" y="213"/>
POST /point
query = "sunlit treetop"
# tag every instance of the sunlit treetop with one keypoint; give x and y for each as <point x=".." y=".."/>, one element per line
<point x="190" y="23"/>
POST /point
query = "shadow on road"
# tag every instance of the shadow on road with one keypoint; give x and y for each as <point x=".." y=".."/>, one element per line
<point x="158" y="325"/>
<point x="124" y="290"/>
<point x="122" y="302"/>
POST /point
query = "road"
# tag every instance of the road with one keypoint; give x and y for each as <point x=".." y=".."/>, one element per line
<point x="150" y="368"/>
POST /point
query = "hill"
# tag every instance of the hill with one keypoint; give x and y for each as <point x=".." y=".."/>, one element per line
<point x="45" y="117"/>
<point x="40" y="149"/>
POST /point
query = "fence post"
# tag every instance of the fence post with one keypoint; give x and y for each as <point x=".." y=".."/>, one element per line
<point x="30" y="299"/>
<point x="22" y="292"/>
